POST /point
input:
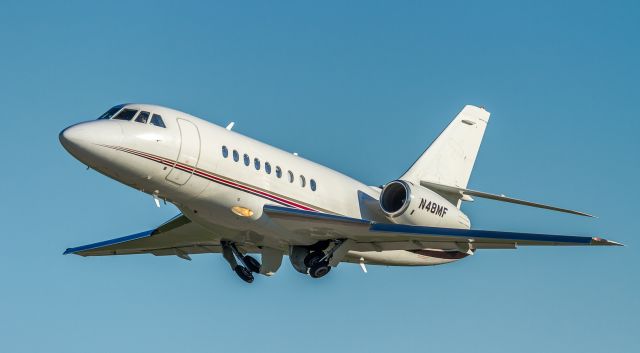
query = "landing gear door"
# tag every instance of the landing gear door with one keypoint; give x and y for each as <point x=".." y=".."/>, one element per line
<point x="189" y="153"/>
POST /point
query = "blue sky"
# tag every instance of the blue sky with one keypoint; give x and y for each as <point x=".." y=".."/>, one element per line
<point x="361" y="87"/>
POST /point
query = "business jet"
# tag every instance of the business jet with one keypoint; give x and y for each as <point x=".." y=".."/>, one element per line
<point x="238" y="196"/>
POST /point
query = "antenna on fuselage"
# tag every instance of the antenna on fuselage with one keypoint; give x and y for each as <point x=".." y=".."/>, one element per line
<point x="230" y="126"/>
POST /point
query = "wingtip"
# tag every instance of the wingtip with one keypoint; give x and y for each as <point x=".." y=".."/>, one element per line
<point x="601" y="241"/>
<point x="583" y="214"/>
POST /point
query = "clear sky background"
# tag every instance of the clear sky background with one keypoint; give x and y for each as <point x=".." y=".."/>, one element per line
<point x="362" y="87"/>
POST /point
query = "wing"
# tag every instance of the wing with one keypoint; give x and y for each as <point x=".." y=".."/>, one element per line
<point x="371" y="236"/>
<point x="179" y="236"/>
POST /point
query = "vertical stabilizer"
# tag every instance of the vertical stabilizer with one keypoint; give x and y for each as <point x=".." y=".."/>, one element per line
<point x="450" y="158"/>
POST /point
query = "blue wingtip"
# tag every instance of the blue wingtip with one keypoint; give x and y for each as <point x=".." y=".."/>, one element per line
<point x="108" y="242"/>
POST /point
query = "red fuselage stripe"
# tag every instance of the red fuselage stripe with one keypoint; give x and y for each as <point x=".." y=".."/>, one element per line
<point x="213" y="177"/>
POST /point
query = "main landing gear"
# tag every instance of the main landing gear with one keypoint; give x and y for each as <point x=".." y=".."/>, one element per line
<point x="249" y="264"/>
<point x="317" y="264"/>
<point x="318" y="259"/>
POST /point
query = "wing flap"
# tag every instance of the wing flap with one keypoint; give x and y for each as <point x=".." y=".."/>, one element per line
<point x="315" y="224"/>
<point x="187" y="250"/>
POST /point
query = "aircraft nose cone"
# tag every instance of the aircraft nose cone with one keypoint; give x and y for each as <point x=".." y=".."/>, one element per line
<point x="70" y="136"/>
<point x="77" y="138"/>
<point x="83" y="140"/>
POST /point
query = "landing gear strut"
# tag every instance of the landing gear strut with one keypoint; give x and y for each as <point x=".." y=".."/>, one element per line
<point x="249" y="264"/>
<point x="319" y="263"/>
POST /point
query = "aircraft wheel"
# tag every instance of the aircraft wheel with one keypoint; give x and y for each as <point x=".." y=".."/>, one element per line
<point x="252" y="263"/>
<point x="319" y="246"/>
<point x="244" y="273"/>
<point x="320" y="269"/>
<point x="313" y="258"/>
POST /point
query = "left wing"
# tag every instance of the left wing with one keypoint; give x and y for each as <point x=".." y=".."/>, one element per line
<point x="179" y="236"/>
<point x="372" y="236"/>
<point x="455" y="193"/>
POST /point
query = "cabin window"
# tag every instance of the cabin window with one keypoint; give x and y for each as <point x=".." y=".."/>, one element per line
<point x="303" y="181"/>
<point x="111" y="112"/>
<point x="291" y="177"/>
<point x="126" y="114"/>
<point x="157" y="120"/>
<point x="236" y="155"/>
<point x="278" y="172"/>
<point x="247" y="160"/>
<point x="143" y="117"/>
<point x="312" y="184"/>
<point x="256" y="163"/>
<point x="267" y="167"/>
<point x="225" y="152"/>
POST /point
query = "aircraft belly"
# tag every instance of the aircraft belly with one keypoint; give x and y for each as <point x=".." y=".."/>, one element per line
<point x="397" y="258"/>
<point x="213" y="210"/>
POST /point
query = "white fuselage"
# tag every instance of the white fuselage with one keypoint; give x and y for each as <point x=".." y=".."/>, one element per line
<point x="191" y="164"/>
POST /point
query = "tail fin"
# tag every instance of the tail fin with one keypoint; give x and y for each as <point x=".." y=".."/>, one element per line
<point x="450" y="158"/>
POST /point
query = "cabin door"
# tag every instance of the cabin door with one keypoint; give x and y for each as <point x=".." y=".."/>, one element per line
<point x="189" y="153"/>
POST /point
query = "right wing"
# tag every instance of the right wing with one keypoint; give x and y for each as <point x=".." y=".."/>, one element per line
<point x="372" y="236"/>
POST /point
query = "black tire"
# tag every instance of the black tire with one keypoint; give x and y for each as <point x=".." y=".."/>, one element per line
<point x="313" y="258"/>
<point x="252" y="264"/>
<point x="320" y="269"/>
<point x="321" y="245"/>
<point x="244" y="273"/>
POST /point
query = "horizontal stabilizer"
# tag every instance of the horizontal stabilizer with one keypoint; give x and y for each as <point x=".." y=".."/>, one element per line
<point x="461" y="192"/>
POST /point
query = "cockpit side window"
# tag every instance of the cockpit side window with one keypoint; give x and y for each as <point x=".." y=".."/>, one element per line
<point x="157" y="120"/>
<point x="126" y="114"/>
<point x="143" y="117"/>
<point x="110" y="113"/>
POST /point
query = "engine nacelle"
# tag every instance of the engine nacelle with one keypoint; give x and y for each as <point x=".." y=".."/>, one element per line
<point x="406" y="203"/>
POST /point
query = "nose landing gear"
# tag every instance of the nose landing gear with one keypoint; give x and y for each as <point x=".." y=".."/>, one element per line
<point x="244" y="273"/>
<point x="249" y="264"/>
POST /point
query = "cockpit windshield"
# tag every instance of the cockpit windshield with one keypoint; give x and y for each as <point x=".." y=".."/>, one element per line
<point x="157" y="120"/>
<point x="111" y="112"/>
<point x="125" y="114"/>
<point x="128" y="114"/>
<point x="143" y="117"/>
